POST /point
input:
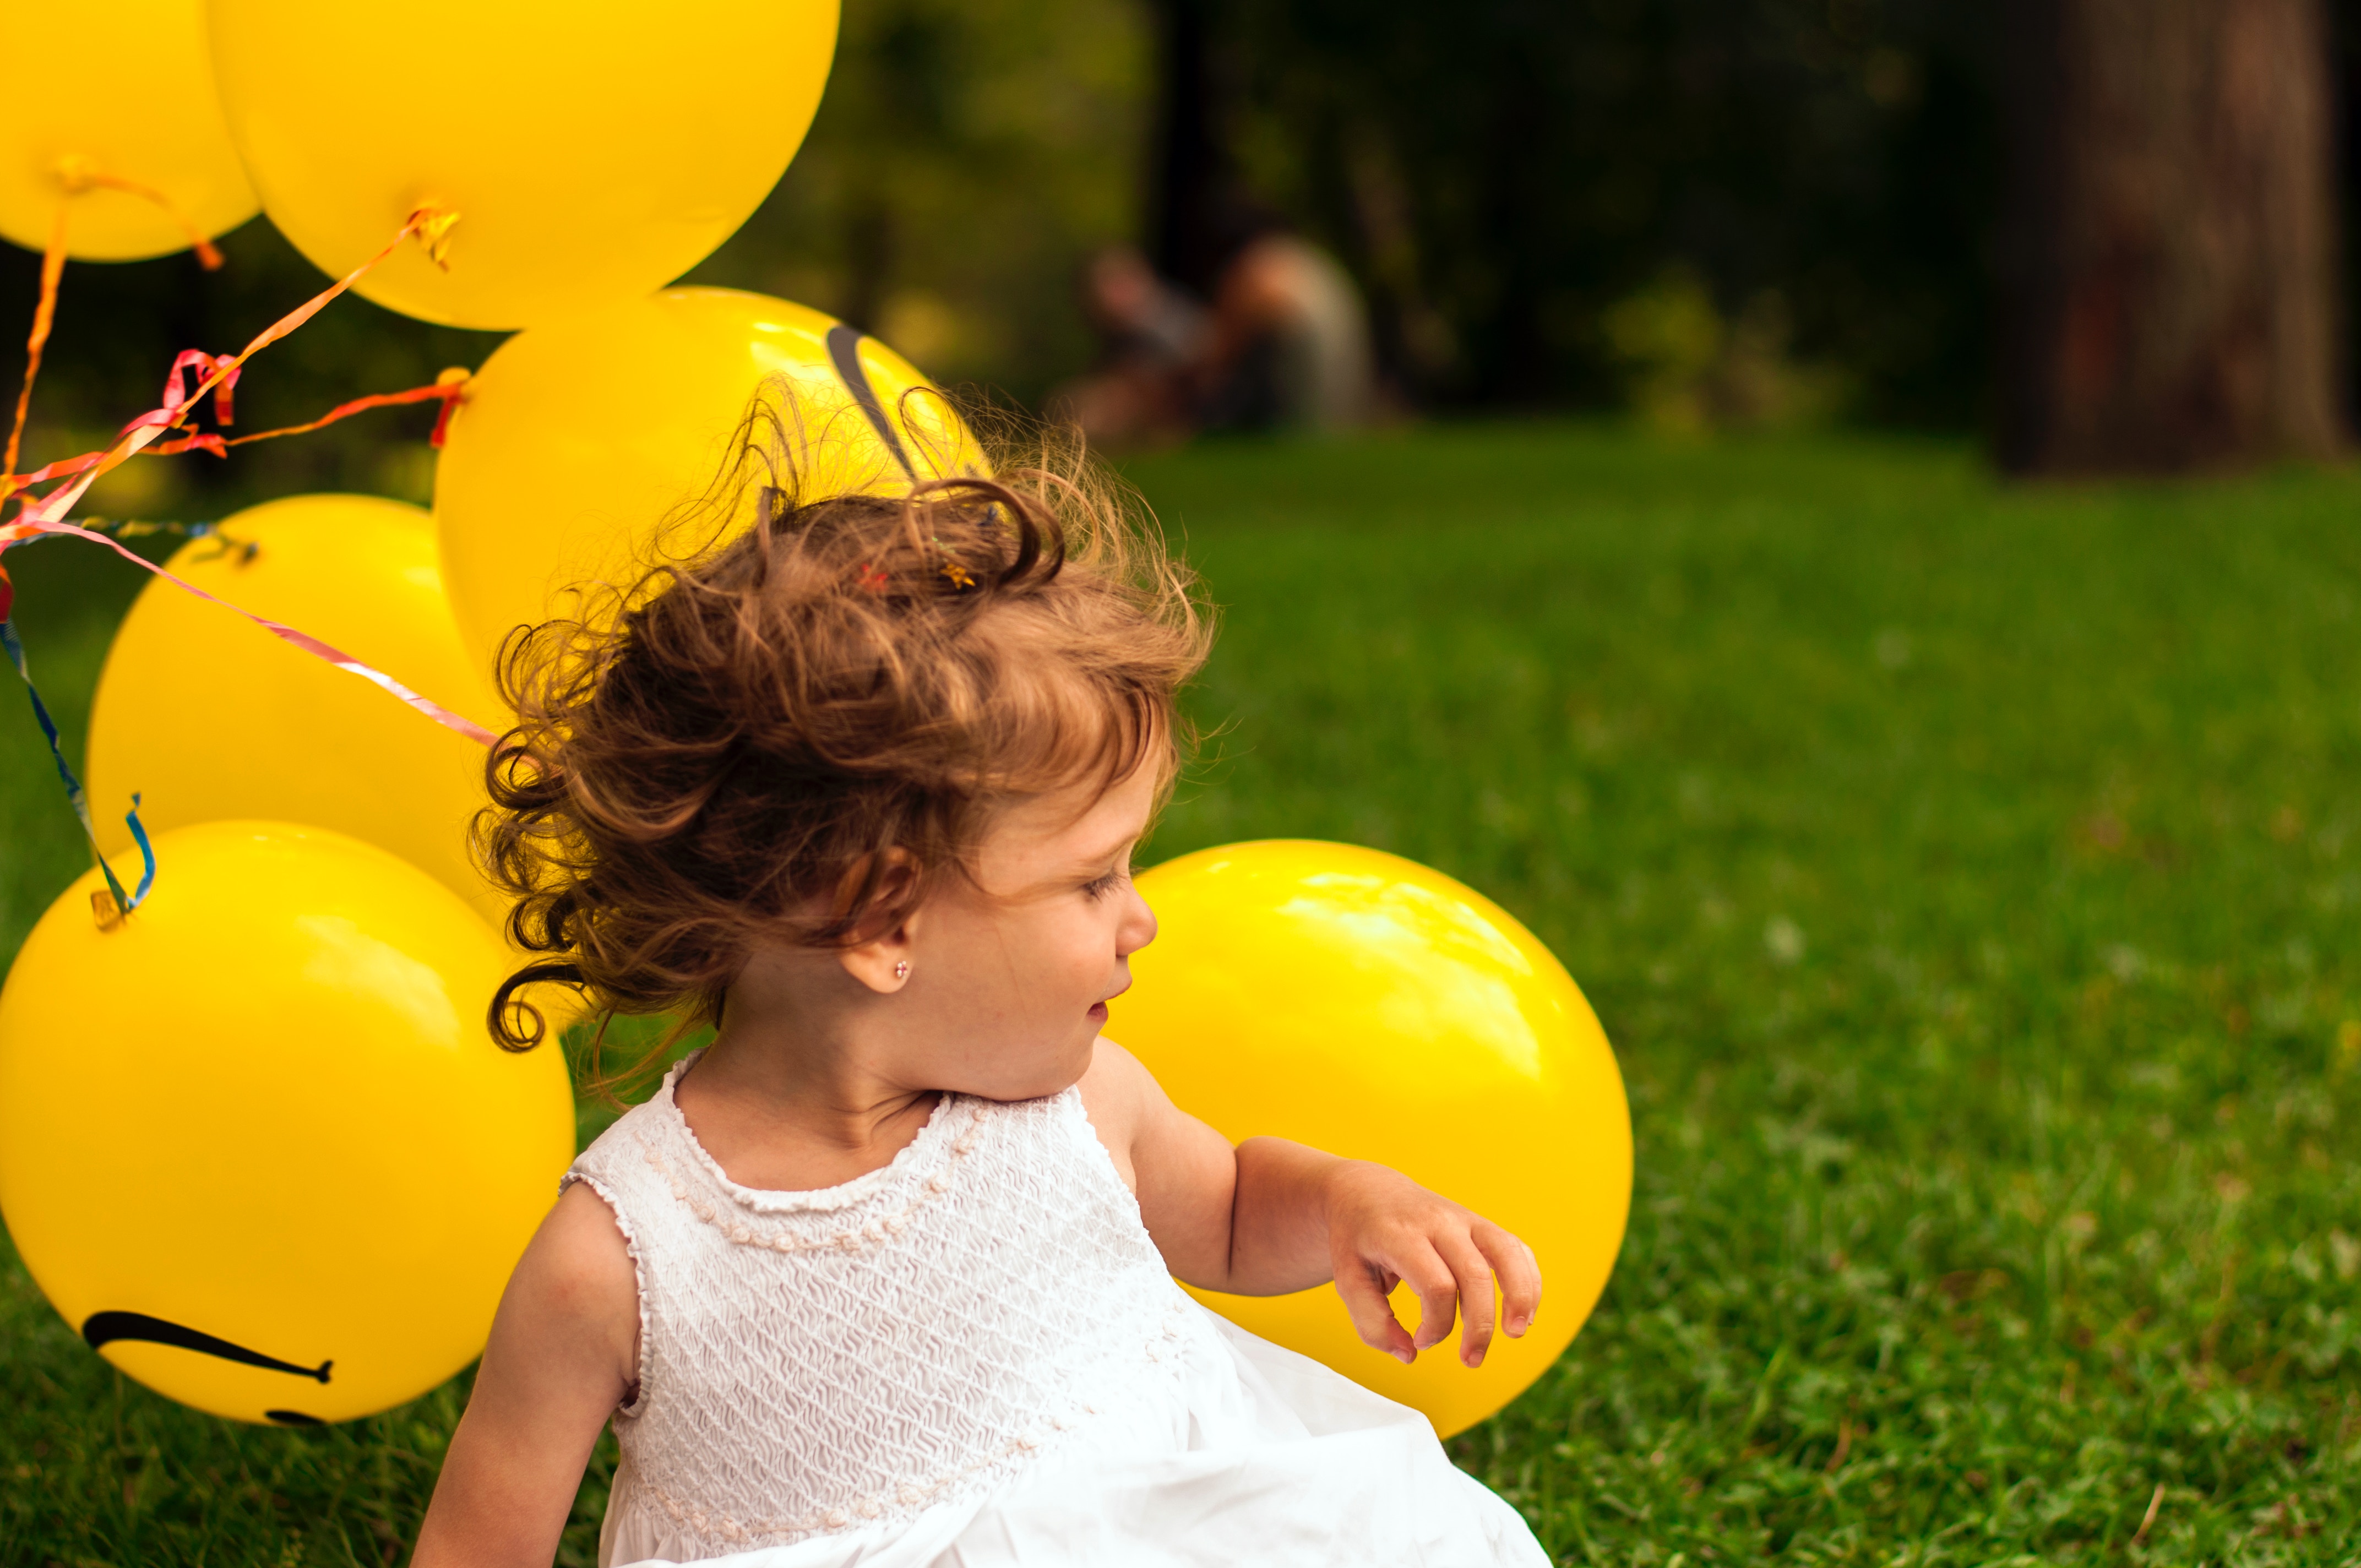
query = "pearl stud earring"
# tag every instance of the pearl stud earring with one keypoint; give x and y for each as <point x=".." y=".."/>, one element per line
<point x="902" y="970"/>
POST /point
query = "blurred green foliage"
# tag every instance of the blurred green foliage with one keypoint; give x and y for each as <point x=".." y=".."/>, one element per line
<point x="965" y="159"/>
<point x="1688" y="370"/>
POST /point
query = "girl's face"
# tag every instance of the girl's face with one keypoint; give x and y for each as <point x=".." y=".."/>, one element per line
<point x="1010" y="974"/>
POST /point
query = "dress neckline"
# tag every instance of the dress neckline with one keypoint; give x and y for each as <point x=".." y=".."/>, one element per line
<point x="921" y="1156"/>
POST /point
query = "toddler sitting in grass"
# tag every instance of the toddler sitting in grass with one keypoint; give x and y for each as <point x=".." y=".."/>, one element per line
<point x="885" y="1275"/>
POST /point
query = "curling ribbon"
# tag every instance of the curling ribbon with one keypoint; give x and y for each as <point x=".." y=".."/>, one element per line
<point x="77" y="175"/>
<point x="175" y="393"/>
<point x="45" y="514"/>
<point x="53" y="267"/>
<point x="124" y="903"/>
<point x="449" y="388"/>
<point x="150" y="427"/>
<point x="22" y="530"/>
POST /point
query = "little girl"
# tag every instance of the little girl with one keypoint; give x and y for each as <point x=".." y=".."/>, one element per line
<point x="885" y="1275"/>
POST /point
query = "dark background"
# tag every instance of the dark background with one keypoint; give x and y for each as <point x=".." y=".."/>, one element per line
<point x="1571" y="203"/>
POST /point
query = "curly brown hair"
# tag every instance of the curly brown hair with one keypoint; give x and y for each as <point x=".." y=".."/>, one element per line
<point x="724" y="752"/>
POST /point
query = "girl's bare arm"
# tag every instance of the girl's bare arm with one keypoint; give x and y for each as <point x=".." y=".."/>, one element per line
<point x="563" y="1349"/>
<point x="1272" y="1216"/>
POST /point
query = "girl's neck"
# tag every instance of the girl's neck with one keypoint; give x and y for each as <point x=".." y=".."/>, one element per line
<point x="787" y="1114"/>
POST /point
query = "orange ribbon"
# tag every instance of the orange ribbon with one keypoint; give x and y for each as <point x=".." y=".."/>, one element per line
<point x="53" y="266"/>
<point x="150" y="427"/>
<point x="218" y="374"/>
<point x="76" y="174"/>
<point x="449" y="389"/>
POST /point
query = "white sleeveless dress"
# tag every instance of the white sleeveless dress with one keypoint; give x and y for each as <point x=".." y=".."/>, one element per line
<point x="972" y="1355"/>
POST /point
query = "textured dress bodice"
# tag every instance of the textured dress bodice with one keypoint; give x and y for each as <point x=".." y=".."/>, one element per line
<point x="832" y="1361"/>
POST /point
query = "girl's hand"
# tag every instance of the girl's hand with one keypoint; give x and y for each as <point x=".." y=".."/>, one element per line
<point x="1385" y="1229"/>
<point x="1270" y="1217"/>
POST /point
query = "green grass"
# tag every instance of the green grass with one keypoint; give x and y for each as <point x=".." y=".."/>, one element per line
<point x="1968" y="878"/>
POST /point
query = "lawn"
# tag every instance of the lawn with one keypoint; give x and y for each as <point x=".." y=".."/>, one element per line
<point x="1967" y="876"/>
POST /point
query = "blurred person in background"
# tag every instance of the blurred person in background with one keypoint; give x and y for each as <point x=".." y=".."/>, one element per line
<point x="1285" y="344"/>
<point x="1151" y="334"/>
<point x="1289" y="346"/>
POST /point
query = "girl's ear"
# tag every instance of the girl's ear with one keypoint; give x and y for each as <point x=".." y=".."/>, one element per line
<point x="880" y="957"/>
<point x="883" y="965"/>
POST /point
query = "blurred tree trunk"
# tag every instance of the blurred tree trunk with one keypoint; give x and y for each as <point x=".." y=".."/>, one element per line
<point x="1191" y="167"/>
<point x="2169" y="247"/>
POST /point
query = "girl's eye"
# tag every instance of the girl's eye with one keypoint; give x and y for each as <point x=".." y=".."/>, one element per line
<point x="1099" y="887"/>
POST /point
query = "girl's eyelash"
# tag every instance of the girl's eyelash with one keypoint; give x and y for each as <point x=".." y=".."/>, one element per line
<point x="1099" y="887"/>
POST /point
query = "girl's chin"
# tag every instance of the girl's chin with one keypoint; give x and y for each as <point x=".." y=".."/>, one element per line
<point x="1034" y="1078"/>
<point x="1098" y="1014"/>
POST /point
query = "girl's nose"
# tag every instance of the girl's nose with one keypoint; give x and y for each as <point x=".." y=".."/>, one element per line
<point x="1138" y="926"/>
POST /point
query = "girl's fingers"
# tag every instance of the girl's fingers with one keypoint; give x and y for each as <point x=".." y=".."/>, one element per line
<point x="1473" y="1276"/>
<point x="1461" y="1267"/>
<point x="1365" y="1292"/>
<point x="1519" y="1274"/>
<point x="1423" y="1270"/>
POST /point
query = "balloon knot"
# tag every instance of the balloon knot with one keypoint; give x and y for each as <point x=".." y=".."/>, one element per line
<point x="76" y="174"/>
<point x="454" y="382"/>
<point x="431" y="225"/>
<point x="105" y="910"/>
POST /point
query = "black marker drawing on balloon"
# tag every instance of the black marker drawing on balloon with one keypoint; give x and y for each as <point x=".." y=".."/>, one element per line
<point x="844" y="353"/>
<point x="105" y="1328"/>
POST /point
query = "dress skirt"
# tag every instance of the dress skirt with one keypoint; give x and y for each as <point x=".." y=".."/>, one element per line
<point x="1262" y="1457"/>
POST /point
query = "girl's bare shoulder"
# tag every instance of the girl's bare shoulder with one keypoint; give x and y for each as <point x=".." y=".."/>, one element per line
<point x="1118" y="1095"/>
<point x="577" y="1276"/>
<point x="1117" y="1089"/>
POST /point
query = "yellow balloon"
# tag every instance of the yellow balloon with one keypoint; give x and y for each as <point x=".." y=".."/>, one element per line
<point x="577" y="439"/>
<point x="256" y="1142"/>
<point x="120" y="89"/>
<point x="207" y="716"/>
<point x="1379" y="1010"/>
<point x="592" y="150"/>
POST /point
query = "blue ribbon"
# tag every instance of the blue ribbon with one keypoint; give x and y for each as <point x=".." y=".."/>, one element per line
<point x="123" y="902"/>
